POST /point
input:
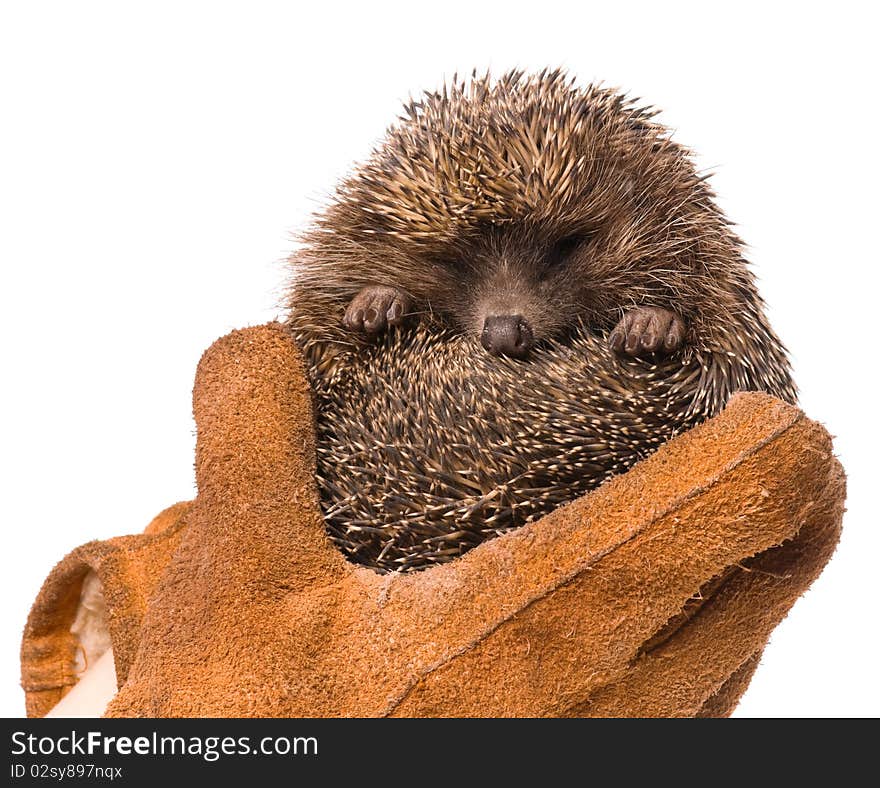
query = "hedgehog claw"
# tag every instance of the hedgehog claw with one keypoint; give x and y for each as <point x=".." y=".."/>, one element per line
<point x="645" y="330"/>
<point x="375" y="308"/>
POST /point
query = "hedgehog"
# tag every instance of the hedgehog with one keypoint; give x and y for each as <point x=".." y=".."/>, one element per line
<point x="525" y="289"/>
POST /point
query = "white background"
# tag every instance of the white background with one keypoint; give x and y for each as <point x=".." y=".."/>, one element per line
<point x="155" y="157"/>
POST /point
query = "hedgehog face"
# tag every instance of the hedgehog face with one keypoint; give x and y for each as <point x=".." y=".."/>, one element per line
<point x="517" y="286"/>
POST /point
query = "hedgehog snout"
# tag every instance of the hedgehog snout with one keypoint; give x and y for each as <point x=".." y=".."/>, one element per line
<point x="507" y="335"/>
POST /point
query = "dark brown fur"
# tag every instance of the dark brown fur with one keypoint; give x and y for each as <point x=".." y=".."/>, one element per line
<point x="571" y="207"/>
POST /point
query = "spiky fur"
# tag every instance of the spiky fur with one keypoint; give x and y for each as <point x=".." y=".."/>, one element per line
<point x="461" y="207"/>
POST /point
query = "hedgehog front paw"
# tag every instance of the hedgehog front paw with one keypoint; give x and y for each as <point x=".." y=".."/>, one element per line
<point x="375" y="308"/>
<point x="647" y="329"/>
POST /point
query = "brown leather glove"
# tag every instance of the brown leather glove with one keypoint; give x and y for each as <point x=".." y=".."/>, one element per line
<point x="654" y="595"/>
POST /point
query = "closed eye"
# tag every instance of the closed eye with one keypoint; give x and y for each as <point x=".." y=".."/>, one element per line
<point x="559" y="252"/>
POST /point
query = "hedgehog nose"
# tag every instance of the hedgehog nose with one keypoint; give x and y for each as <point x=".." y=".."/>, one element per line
<point x="507" y="335"/>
